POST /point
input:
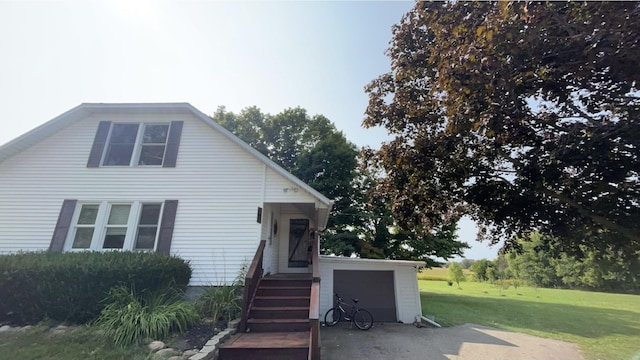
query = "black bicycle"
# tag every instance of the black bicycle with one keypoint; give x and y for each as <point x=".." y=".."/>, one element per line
<point x="360" y="317"/>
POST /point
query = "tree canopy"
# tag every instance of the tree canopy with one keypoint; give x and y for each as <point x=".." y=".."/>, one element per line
<point x="311" y="148"/>
<point x="380" y="237"/>
<point x="523" y="115"/>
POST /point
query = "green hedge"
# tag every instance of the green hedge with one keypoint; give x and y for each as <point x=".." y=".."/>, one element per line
<point x="72" y="286"/>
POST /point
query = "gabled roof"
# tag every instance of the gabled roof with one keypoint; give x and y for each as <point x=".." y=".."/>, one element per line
<point x="87" y="109"/>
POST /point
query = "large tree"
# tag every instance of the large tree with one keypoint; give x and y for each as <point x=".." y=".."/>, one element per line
<point x="523" y="115"/>
<point x="311" y="148"/>
<point x="381" y="238"/>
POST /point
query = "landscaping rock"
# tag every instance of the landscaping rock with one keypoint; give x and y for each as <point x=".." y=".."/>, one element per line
<point x="190" y="353"/>
<point x="155" y="346"/>
<point x="60" y="330"/>
<point x="233" y="324"/>
<point x="164" y="354"/>
<point x="213" y="342"/>
<point x="25" y="328"/>
<point x="201" y="356"/>
<point x="178" y="357"/>
<point x="5" y="328"/>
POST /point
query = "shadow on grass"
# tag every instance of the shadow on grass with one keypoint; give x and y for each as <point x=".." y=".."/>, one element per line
<point x="577" y="320"/>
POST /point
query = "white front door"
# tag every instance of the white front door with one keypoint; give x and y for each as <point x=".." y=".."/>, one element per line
<point x="293" y="244"/>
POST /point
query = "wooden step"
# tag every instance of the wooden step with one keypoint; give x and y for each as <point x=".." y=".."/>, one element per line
<point x="283" y="301"/>
<point x="278" y="325"/>
<point x="271" y="282"/>
<point x="266" y="346"/>
<point x="279" y="312"/>
<point x="283" y="290"/>
<point x="303" y="275"/>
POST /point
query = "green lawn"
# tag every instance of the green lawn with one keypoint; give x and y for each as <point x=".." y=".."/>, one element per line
<point x="604" y="326"/>
<point x="82" y="343"/>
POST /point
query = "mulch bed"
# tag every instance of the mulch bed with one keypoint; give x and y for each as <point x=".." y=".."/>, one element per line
<point x="196" y="336"/>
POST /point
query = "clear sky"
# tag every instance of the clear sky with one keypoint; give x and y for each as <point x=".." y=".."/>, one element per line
<point x="274" y="55"/>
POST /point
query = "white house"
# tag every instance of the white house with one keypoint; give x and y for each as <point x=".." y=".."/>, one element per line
<point x="167" y="178"/>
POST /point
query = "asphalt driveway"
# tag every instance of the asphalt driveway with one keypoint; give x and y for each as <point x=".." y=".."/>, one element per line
<point x="465" y="342"/>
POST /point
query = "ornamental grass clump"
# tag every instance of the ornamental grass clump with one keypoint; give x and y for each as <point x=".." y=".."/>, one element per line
<point x="223" y="302"/>
<point x="129" y="317"/>
<point x="220" y="303"/>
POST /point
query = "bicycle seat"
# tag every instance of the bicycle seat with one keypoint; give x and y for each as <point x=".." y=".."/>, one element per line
<point x="355" y="300"/>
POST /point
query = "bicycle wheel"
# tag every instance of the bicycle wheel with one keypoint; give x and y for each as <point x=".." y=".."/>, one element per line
<point x="363" y="319"/>
<point x="332" y="316"/>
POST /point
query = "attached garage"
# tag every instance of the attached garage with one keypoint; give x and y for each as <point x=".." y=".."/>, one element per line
<point x="387" y="288"/>
<point x="375" y="289"/>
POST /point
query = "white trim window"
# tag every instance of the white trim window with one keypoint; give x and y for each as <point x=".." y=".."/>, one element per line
<point x="115" y="226"/>
<point x="132" y="144"/>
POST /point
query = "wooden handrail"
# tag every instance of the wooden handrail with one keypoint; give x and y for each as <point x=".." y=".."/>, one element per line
<point x="315" y="263"/>
<point x="251" y="280"/>
<point x="314" y="322"/>
<point x="315" y="266"/>
<point x="314" y="305"/>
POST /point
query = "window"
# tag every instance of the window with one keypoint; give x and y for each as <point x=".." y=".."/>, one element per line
<point x="147" y="227"/>
<point x="115" y="226"/>
<point x="154" y="141"/>
<point x="85" y="226"/>
<point x="121" y="144"/>
<point x="141" y="144"/>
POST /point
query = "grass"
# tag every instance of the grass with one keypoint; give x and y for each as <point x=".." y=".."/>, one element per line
<point x="604" y="326"/>
<point x="440" y="274"/>
<point x="81" y="343"/>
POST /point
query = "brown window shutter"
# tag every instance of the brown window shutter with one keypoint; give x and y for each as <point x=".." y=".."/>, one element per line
<point x="173" y="143"/>
<point x="99" y="142"/>
<point x="166" y="227"/>
<point x="62" y="226"/>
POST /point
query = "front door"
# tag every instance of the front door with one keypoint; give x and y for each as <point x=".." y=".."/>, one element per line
<point x="298" y="243"/>
<point x="293" y="244"/>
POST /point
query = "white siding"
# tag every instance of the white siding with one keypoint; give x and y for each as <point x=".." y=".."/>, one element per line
<point x="219" y="187"/>
<point x="281" y="190"/>
<point x="406" y="284"/>
<point x="272" y="245"/>
<point x="268" y="217"/>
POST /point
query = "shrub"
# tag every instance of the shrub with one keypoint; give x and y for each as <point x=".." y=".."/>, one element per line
<point x="129" y="317"/>
<point x="71" y="286"/>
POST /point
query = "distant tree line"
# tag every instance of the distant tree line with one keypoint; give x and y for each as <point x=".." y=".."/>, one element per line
<point x="540" y="262"/>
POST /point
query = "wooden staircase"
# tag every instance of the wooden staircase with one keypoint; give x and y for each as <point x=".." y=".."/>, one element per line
<point x="277" y="325"/>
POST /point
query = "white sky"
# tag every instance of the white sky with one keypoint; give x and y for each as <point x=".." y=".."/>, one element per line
<point x="274" y="55"/>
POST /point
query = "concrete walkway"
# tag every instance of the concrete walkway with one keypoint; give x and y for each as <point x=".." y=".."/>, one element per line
<point x="465" y="342"/>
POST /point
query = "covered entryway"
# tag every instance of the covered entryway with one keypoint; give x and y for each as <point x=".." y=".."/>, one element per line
<point x="374" y="289"/>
